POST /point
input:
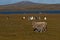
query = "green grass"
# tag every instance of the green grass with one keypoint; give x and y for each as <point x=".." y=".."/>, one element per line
<point x="17" y="29"/>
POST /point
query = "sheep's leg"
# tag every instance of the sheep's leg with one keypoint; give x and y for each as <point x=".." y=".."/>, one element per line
<point x="35" y="29"/>
<point x="41" y="29"/>
<point x="45" y="29"/>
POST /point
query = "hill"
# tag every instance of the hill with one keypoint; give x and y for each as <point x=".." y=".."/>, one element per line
<point x="27" y="5"/>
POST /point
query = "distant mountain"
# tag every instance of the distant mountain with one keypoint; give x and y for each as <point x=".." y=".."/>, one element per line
<point x="28" y="5"/>
<point x="22" y="3"/>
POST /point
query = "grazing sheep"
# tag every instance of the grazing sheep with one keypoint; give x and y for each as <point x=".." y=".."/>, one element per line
<point x="40" y="26"/>
<point x="24" y="17"/>
<point x="45" y="18"/>
<point x="31" y="18"/>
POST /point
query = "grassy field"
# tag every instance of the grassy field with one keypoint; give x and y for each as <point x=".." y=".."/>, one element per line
<point x="17" y="29"/>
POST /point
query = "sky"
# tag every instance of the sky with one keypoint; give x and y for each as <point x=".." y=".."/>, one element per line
<point x="4" y="2"/>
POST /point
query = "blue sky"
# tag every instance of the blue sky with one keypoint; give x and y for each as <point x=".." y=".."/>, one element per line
<point x="3" y="2"/>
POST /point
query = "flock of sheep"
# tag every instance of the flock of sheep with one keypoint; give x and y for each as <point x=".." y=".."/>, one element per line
<point x="37" y="26"/>
<point x="33" y="18"/>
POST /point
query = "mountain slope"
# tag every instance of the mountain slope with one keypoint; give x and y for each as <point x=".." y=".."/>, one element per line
<point x="27" y="5"/>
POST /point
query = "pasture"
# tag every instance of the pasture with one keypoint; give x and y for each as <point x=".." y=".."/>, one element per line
<point x="14" y="28"/>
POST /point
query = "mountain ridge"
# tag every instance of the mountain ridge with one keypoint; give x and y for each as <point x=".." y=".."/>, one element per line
<point x="28" y="5"/>
<point x="23" y="3"/>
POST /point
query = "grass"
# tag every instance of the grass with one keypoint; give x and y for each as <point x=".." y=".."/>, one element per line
<point x="17" y="29"/>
